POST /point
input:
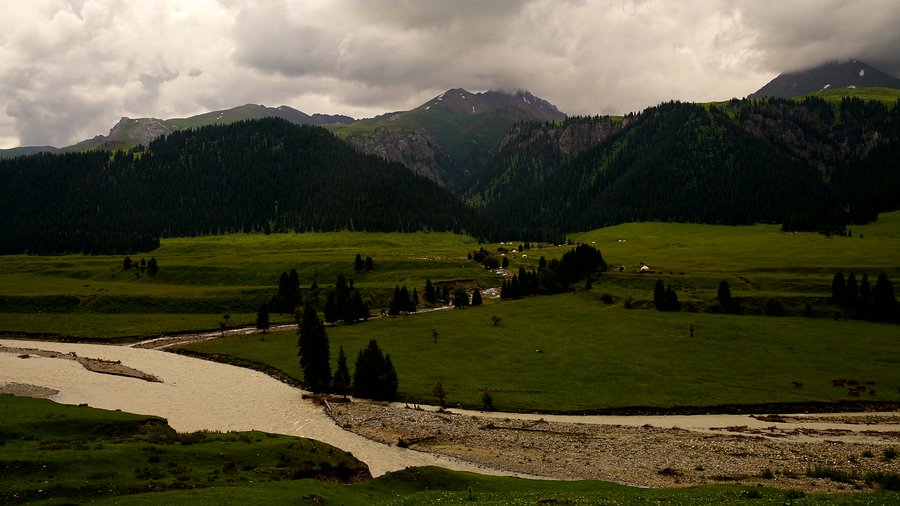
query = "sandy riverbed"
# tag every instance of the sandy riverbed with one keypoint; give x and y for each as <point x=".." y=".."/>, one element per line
<point x="195" y="394"/>
<point x="654" y="451"/>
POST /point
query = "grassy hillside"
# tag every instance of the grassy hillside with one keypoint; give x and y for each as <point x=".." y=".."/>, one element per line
<point x="886" y="95"/>
<point x="55" y="454"/>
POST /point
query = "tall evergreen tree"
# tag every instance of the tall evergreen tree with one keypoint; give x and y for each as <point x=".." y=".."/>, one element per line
<point x="460" y="298"/>
<point x="838" y="289"/>
<point x="262" y="318"/>
<point x="342" y="382"/>
<point x="430" y="295"/>
<point x="671" y="299"/>
<point x="314" y="353"/>
<point x="884" y="302"/>
<point x="374" y="376"/>
<point x="358" y="264"/>
<point x="659" y="295"/>
<point x="724" y="294"/>
<point x="852" y="289"/>
<point x="476" y="298"/>
<point x="865" y="293"/>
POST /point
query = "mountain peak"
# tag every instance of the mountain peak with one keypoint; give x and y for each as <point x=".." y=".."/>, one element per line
<point x="520" y="103"/>
<point x="830" y="75"/>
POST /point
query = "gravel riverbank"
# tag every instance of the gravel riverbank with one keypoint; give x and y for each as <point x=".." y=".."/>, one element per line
<point x="647" y="456"/>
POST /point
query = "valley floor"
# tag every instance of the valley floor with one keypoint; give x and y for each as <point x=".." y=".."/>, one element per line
<point x="773" y="451"/>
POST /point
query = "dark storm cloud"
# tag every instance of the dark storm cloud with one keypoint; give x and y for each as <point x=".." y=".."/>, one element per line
<point x="70" y="69"/>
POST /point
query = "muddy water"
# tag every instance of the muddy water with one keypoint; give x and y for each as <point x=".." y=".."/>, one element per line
<point x="200" y="395"/>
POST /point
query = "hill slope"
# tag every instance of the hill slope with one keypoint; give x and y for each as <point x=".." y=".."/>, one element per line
<point x="832" y="75"/>
<point x="450" y="137"/>
<point x="265" y="175"/>
<point x="807" y="163"/>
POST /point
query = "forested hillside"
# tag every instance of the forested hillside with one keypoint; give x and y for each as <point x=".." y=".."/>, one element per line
<point x="257" y="176"/>
<point x="807" y="163"/>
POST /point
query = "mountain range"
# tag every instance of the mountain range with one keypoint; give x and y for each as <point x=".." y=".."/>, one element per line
<point x="523" y="169"/>
<point x="832" y="75"/>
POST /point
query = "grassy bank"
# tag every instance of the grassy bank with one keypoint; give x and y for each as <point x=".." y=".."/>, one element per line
<point x="55" y="454"/>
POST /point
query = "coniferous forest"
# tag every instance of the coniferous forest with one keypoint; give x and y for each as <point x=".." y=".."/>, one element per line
<point x="807" y="164"/>
<point x="260" y="176"/>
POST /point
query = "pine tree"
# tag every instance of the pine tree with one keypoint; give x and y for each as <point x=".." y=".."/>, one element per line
<point x="313" y="351"/>
<point x="369" y="264"/>
<point x="374" y="376"/>
<point x="671" y="299"/>
<point x="358" y="264"/>
<point x="724" y="294"/>
<point x="126" y="264"/>
<point x="865" y="293"/>
<point x="429" y="295"/>
<point x="341" y="382"/>
<point x="838" y="289"/>
<point x="476" y="298"/>
<point x="262" y="318"/>
<point x="659" y="295"/>
<point x="460" y="298"/>
<point x="331" y="314"/>
<point x="152" y="267"/>
<point x="884" y="302"/>
<point x="852" y="289"/>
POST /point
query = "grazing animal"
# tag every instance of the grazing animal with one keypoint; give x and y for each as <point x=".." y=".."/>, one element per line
<point x="838" y="382"/>
<point x="853" y="392"/>
<point x="871" y="383"/>
<point x="797" y="384"/>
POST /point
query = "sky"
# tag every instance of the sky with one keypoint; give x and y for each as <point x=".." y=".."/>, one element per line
<point x="69" y="69"/>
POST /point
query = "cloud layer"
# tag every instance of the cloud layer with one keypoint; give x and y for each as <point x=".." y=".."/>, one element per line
<point x="70" y="69"/>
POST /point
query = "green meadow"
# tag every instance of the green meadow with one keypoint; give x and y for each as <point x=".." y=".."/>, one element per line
<point x="597" y="348"/>
<point x="573" y="353"/>
<point x="55" y="454"/>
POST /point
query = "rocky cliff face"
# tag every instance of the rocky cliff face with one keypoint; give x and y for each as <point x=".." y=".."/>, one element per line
<point x="417" y="149"/>
<point x="571" y="136"/>
<point x="138" y="131"/>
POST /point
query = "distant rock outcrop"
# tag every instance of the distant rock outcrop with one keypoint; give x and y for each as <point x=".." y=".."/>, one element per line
<point x="418" y="150"/>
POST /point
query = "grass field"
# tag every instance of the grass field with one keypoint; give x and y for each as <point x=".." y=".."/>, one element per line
<point x="594" y="356"/>
<point x="55" y="454"/>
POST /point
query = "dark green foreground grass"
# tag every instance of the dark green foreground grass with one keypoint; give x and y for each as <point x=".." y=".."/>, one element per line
<point x="55" y="454"/>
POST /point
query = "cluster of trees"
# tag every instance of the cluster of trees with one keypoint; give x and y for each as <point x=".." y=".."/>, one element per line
<point x="151" y="267"/>
<point x="257" y="176"/>
<point x="345" y="303"/>
<point x="402" y="301"/>
<point x="360" y="265"/>
<point x="861" y="300"/>
<point x="664" y="297"/>
<point x="374" y="376"/>
<point x="288" y="296"/>
<point x="556" y="276"/>
<point x="432" y="294"/>
<point x="489" y="261"/>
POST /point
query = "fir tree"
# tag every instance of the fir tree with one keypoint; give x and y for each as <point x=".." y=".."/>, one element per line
<point x="659" y="295"/>
<point x="838" y="289"/>
<point x="476" y="298"/>
<point x="262" y="318"/>
<point x="430" y="295"/>
<point x="341" y="382"/>
<point x="313" y="351"/>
